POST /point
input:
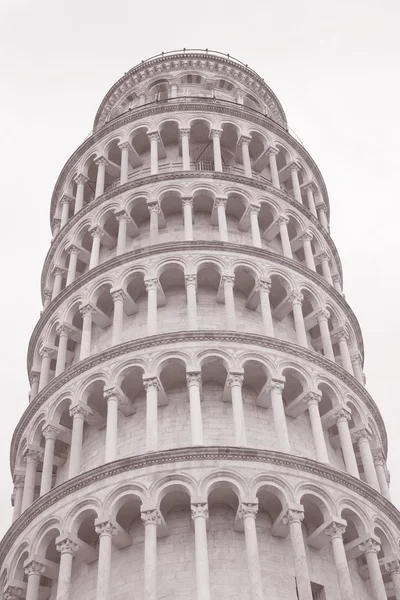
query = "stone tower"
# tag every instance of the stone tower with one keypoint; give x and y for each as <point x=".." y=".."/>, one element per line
<point x="198" y="425"/>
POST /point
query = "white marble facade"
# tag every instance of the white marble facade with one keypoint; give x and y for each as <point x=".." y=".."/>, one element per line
<point x="198" y="425"/>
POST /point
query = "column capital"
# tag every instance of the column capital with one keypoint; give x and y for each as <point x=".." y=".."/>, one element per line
<point x="190" y="279"/>
<point x="81" y="179"/>
<point x="193" y="378"/>
<point x="57" y="271"/>
<point x="79" y="411"/>
<point x="118" y="294"/>
<point x="187" y="201"/>
<point x="235" y="379"/>
<point x="343" y="414"/>
<point x="150" y="517"/>
<point x="379" y="459"/>
<point x="277" y="383"/>
<point x="34" y="568"/>
<point x="153" y="135"/>
<point x="66" y="546"/>
<point x="336" y="530"/>
<point x="199" y="509"/>
<point x="122" y="215"/>
<point x="244" y="139"/>
<point x="369" y="546"/>
<point x="342" y="334"/>
<point x="254" y="209"/>
<point x="56" y="222"/>
<point x="310" y="185"/>
<point x="282" y="220"/>
<point x="112" y="392"/>
<point x="362" y="436"/>
<point x="336" y="278"/>
<point x="34" y="377"/>
<point x="248" y="509"/>
<point x="72" y="249"/>
<point x="66" y="199"/>
<point x="221" y="201"/>
<point x="151" y="284"/>
<point x="63" y="330"/>
<point x="356" y="359"/>
<point x="293" y="515"/>
<point x="101" y="161"/>
<point x="13" y="592"/>
<point x="215" y="133"/>
<point x="263" y="285"/>
<point x="96" y="231"/>
<point x="323" y="256"/>
<point x="47" y="294"/>
<point x="307" y="236"/>
<point x="124" y="146"/>
<point x="392" y="567"/>
<point x="295" y="297"/>
<point x="294" y="167"/>
<point x="228" y="280"/>
<point x="272" y="151"/>
<point x="313" y="398"/>
<point x="151" y="383"/>
<point x="18" y="481"/>
<point x="50" y="432"/>
<point x="321" y="207"/>
<point x="105" y="528"/>
<point x="32" y="455"/>
<point x="154" y="206"/>
<point x="86" y="310"/>
<point x="46" y="352"/>
<point x="184" y="133"/>
<point x="322" y="315"/>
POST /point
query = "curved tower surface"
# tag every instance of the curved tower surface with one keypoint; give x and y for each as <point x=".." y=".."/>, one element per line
<point x="198" y="425"/>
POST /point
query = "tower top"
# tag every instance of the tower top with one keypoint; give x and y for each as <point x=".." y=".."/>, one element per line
<point x="206" y="73"/>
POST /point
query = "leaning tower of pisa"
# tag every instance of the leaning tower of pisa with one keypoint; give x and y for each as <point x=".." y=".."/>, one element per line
<point x="198" y="425"/>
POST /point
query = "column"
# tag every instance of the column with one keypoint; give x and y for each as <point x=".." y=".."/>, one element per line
<point x="73" y="252"/>
<point x="220" y="203"/>
<point x="78" y="414"/>
<point x="335" y="533"/>
<point x="87" y="313"/>
<point x="187" y="204"/>
<point x="151" y="386"/>
<point x="322" y="317"/>
<point x="343" y="336"/>
<point x="80" y="180"/>
<point x="313" y="399"/>
<point x="380" y="467"/>
<point x="96" y="233"/>
<point x="65" y="202"/>
<point x="326" y="270"/>
<point x="296" y="299"/>
<point x="101" y="176"/>
<point x="32" y="458"/>
<point x="363" y="439"/>
<point x="228" y="282"/>
<point x="370" y="549"/>
<point x="58" y="275"/>
<point x="111" y="450"/>
<point x="235" y="380"/>
<point x="285" y="241"/>
<point x="122" y="218"/>
<point x="199" y="516"/>
<point x="34" y="570"/>
<point x="124" y="147"/>
<point x="321" y="210"/>
<point x="50" y="434"/>
<point x="35" y="377"/>
<point x="216" y="140"/>
<point x="151" y="288"/>
<point x="310" y="198"/>
<point x="276" y="388"/>
<point x="151" y="519"/>
<point x="393" y="568"/>
<point x="343" y="417"/>
<point x="154" y="138"/>
<point x="105" y="532"/>
<point x="294" y="168"/>
<point x="308" y="253"/>
<point x="244" y="142"/>
<point x="66" y="548"/>
<point x="47" y="298"/>
<point x="193" y="381"/>
<point x="63" y="332"/>
<point x="154" y="210"/>
<point x="18" y="492"/>
<point x="185" y="136"/>
<point x="255" y="228"/>
<point x="336" y="283"/>
<point x="356" y="361"/>
<point x="248" y="512"/>
<point x="294" y="519"/>
<point x="118" y="297"/>
<point x="271" y="153"/>
<point x="264" y="288"/>
<point x="191" y="300"/>
<point x="46" y="354"/>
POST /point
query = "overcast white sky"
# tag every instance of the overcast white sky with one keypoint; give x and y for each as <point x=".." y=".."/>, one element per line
<point x="333" y="65"/>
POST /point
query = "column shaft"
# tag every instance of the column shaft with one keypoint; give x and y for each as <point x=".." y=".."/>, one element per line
<point x="151" y="287"/>
<point x="236" y="381"/>
<point x="294" y="519"/>
<point x="216" y="134"/>
<point x="154" y="139"/>
<point x="248" y="513"/>
<point x="188" y="218"/>
<point x="222" y="224"/>
<point x="316" y="427"/>
<point x="255" y="228"/>
<point x="196" y="421"/>
<point x="124" y="147"/>
<point x="322" y="318"/>
<point x="122" y="219"/>
<point x="286" y="247"/>
<point x="73" y="260"/>
<point x="339" y="556"/>
<point x="264" y="290"/>
<point x="101" y="177"/>
<point x="199" y="515"/>
<point x="112" y="428"/>
<point x="105" y="531"/>
<point x="228" y="282"/>
<point x="151" y="519"/>
<point x="367" y="460"/>
<point x="63" y="332"/>
<point x="278" y="411"/>
<point x="86" y="339"/>
<point x="295" y="184"/>
<point x="78" y="414"/>
<point x="118" y="297"/>
<point x="151" y="386"/>
<point x="50" y="434"/>
<point x="274" y="169"/>
<point x="346" y="443"/>
<point x="296" y="299"/>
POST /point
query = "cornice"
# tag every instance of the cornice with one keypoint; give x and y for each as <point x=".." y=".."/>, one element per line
<point x="162" y="178"/>
<point x="216" y="106"/>
<point x="206" y="454"/>
<point x="180" y="337"/>
<point x="213" y="62"/>
<point x="140" y="254"/>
